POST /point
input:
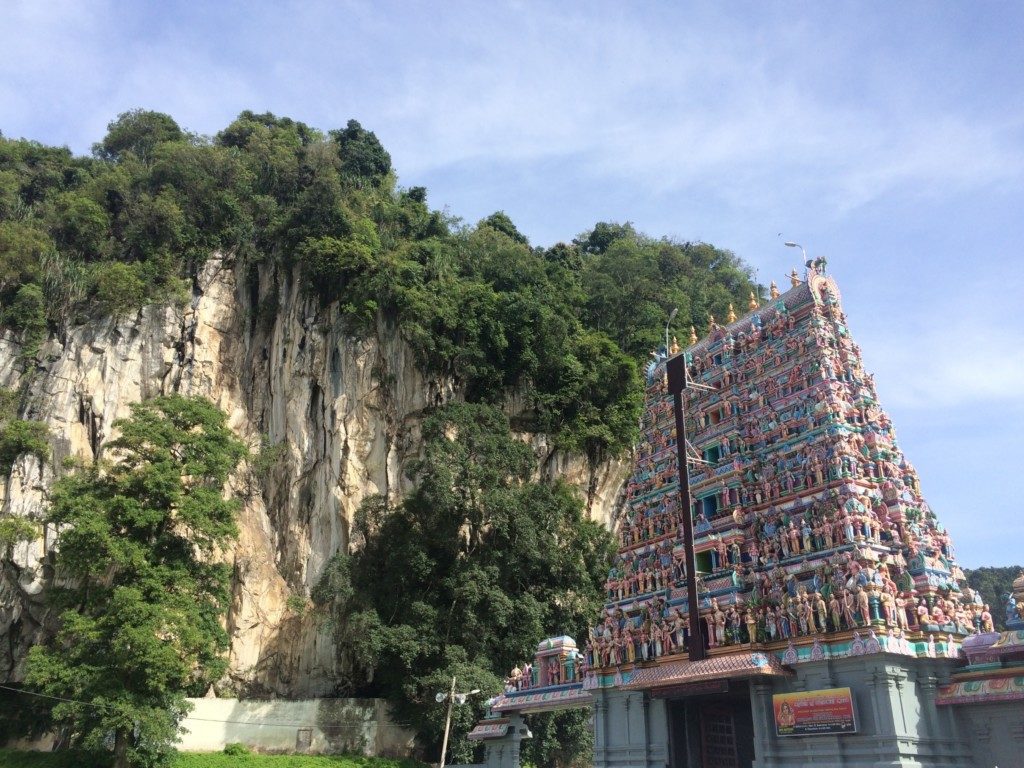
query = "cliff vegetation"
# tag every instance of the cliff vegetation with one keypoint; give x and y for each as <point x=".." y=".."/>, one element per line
<point x="459" y="571"/>
<point x="562" y="327"/>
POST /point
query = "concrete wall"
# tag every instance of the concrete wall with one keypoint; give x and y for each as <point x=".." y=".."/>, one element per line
<point x="995" y="731"/>
<point x="315" y="726"/>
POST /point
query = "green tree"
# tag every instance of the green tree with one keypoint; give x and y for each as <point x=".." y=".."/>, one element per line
<point x="138" y="131"/>
<point x="117" y="287"/>
<point x="363" y="158"/>
<point x="465" y="575"/>
<point x="139" y="582"/>
<point x="994" y="584"/>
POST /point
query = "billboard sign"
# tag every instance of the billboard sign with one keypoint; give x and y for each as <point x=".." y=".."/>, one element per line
<point x="814" y="713"/>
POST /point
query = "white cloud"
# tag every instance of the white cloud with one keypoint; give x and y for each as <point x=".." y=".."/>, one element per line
<point x="962" y="350"/>
<point x="670" y="99"/>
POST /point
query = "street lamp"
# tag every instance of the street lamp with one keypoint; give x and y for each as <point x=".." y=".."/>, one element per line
<point x="791" y="244"/>
<point x="671" y="317"/>
<point x="452" y="698"/>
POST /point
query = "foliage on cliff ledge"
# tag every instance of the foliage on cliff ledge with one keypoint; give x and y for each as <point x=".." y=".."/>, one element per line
<point x="563" y="327"/>
<point x="994" y="584"/>
<point x="141" y="596"/>
<point x="464" y="576"/>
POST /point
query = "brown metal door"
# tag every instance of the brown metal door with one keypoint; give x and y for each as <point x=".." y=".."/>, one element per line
<point x="718" y="738"/>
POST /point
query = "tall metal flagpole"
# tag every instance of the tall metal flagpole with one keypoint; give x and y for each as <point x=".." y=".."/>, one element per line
<point x="675" y="368"/>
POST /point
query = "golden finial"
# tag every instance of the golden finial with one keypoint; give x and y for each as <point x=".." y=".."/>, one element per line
<point x="752" y="304"/>
<point x="675" y="346"/>
<point x="711" y="322"/>
<point x="693" y="335"/>
<point x="794" y="278"/>
<point x="732" y="314"/>
<point x="774" y="290"/>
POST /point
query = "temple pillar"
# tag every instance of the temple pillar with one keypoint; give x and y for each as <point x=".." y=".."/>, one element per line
<point x="503" y="752"/>
<point x="630" y="730"/>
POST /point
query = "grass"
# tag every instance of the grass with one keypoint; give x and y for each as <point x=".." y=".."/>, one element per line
<point x="12" y="759"/>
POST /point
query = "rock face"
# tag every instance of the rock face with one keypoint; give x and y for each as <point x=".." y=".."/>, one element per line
<point x="340" y="413"/>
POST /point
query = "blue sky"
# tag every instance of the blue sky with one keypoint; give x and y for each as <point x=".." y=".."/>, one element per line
<point x="888" y="137"/>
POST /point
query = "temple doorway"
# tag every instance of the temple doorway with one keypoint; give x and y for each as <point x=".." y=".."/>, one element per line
<point x="711" y="730"/>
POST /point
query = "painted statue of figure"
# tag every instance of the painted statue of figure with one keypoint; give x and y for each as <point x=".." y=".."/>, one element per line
<point x="986" y="620"/>
<point x="805" y="618"/>
<point x="751" y="622"/>
<point x="848" y="609"/>
<point x="901" y="613"/>
<point x="835" y="612"/>
<point x="783" y="621"/>
<point x="719" y="622"/>
<point x="822" y="611"/>
<point x="770" y="624"/>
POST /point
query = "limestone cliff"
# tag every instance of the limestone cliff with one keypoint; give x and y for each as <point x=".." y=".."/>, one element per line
<point x="343" y="413"/>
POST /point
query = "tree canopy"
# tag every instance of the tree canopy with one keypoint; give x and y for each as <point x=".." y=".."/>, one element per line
<point x="465" y="575"/>
<point x="994" y="584"/>
<point x="562" y="328"/>
<point x="138" y="580"/>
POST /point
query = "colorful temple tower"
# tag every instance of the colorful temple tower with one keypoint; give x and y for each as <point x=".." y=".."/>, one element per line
<point x="808" y="519"/>
<point x="822" y="574"/>
<point x="830" y="603"/>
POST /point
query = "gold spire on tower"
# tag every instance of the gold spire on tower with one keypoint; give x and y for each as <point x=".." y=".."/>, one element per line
<point x="794" y="278"/>
<point x="752" y="304"/>
<point x="732" y="314"/>
<point x="774" y="290"/>
<point x="693" y="335"/>
<point x="675" y="346"/>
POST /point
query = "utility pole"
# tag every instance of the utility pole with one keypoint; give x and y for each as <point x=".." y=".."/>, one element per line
<point x="447" y="722"/>
<point x="675" y="370"/>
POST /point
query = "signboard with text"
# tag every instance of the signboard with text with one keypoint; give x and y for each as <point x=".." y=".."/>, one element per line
<point x="814" y="713"/>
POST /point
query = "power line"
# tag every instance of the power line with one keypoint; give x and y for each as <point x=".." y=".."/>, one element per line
<point x="322" y="727"/>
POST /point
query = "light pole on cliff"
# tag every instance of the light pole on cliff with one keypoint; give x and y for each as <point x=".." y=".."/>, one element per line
<point x="675" y="371"/>
<point x="452" y="698"/>
<point x="671" y="317"/>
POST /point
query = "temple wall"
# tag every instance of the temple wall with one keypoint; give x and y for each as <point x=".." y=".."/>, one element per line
<point x="897" y="719"/>
<point x="995" y="733"/>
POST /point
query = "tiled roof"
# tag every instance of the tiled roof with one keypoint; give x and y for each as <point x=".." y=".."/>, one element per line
<point x="539" y="699"/>
<point x="733" y="665"/>
<point x="796" y="296"/>
<point x="490" y="729"/>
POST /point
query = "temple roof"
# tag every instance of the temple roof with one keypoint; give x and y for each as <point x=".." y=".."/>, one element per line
<point x="733" y="665"/>
<point x="795" y="297"/>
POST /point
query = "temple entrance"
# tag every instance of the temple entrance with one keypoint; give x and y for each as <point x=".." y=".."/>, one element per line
<point x="711" y="730"/>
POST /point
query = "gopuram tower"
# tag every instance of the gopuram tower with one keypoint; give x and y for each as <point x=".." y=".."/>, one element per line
<point x="830" y="605"/>
<point x="822" y="574"/>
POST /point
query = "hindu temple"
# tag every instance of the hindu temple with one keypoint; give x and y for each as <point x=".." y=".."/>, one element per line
<point x="831" y="613"/>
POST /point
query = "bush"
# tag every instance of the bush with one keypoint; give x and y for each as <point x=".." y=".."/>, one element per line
<point x="236" y="749"/>
<point x="117" y="288"/>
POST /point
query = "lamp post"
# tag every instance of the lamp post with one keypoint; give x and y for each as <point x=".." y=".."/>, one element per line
<point x="671" y="317"/>
<point x="452" y="698"/>
<point x="791" y="244"/>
